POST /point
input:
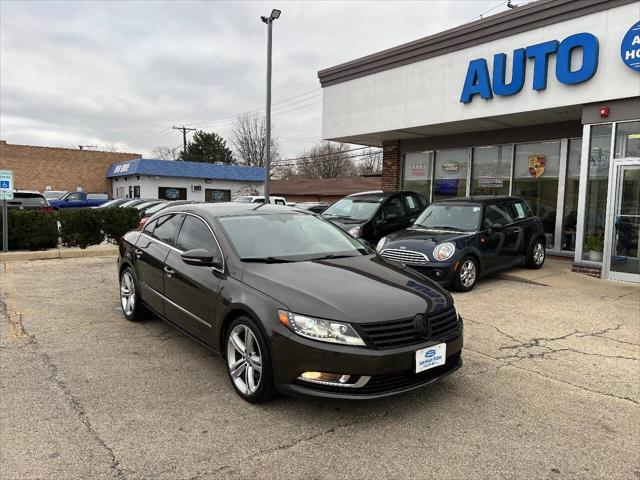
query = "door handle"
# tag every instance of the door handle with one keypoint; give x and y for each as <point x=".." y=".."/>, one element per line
<point x="169" y="271"/>
<point x="138" y="252"/>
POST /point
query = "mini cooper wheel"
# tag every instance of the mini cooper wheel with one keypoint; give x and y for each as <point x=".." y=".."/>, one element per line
<point x="466" y="275"/>
<point x="536" y="255"/>
<point x="130" y="301"/>
<point x="248" y="362"/>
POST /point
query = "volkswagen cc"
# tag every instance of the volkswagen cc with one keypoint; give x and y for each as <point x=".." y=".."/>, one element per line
<point x="291" y="302"/>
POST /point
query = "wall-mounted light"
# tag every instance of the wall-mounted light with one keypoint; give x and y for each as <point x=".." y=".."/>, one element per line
<point x="604" y="111"/>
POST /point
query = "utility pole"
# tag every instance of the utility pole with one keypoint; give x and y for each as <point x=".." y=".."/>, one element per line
<point x="275" y="14"/>
<point x="184" y="131"/>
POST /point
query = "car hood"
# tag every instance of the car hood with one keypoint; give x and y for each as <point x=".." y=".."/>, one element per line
<point x="346" y="223"/>
<point x="356" y="289"/>
<point x="421" y="240"/>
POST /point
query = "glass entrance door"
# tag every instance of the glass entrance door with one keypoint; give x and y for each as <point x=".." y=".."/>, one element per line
<point x="622" y="260"/>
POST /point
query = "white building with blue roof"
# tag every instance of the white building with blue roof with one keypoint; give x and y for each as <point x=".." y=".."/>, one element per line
<point x="178" y="180"/>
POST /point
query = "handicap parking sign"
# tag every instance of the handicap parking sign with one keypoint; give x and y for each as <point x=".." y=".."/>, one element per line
<point x="6" y="184"/>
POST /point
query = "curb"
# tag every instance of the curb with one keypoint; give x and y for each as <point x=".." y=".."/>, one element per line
<point x="58" y="254"/>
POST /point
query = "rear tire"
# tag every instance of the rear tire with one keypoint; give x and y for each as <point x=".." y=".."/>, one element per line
<point x="248" y="361"/>
<point x="130" y="300"/>
<point x="466" y="276"/>
<point x="536" y="255"/>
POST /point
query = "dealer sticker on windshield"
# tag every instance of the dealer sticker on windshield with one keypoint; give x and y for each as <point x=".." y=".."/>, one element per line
<point x="430" y="357"/>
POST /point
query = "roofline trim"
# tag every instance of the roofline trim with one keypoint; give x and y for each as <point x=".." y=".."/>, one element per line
<point x="504" y="24"/>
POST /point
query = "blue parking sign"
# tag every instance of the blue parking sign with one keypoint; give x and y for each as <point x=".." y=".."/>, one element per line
<point x="4" y="184"/>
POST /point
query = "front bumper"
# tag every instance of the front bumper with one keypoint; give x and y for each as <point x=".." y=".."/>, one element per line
<point x="443" y="273"/>
<point x="391" y="370"/>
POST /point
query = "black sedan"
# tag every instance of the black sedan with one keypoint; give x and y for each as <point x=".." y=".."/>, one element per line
<point x="293" y="303"/>
<point x="457" y="241"/>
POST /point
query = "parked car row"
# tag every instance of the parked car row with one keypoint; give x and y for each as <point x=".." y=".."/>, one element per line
<point x="299" y="303"/>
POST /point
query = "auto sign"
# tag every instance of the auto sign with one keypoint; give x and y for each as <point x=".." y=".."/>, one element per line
<point x="537" y="163"/>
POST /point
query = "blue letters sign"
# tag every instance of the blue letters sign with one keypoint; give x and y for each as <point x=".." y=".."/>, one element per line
<point x="478" y="81"/>
<point x="630" y="48"/>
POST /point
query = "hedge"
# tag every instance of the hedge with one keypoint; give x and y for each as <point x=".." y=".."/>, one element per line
<point x="83" y="227"/>
<point x="31" y="230"/>
<point x="118" y="221"/>
<point x="80" y="227"/>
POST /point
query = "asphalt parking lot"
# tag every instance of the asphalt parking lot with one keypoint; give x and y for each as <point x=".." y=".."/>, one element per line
<point x="550" y="389"/>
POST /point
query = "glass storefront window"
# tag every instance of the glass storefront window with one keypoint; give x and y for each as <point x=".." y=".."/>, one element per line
<point x="417" y="172"/>
<point x="451" y="174"/>
<point x="536" y="170"/>
<point x="627" y="140"/>
<point x="491" y="170"/>
<point x="570" y="213"/>
<point x="596" y="202"/>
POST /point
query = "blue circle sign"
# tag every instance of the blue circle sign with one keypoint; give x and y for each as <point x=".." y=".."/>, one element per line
<point x="630" y="48"/>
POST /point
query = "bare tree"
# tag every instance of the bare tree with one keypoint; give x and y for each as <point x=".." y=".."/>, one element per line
<point x="326" y="160"/>
<point x="166" y="153"/>
<point x="369" y="161"/>
<point x="249" y="141"/>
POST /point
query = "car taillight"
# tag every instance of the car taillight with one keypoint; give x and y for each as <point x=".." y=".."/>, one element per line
<point x="49" y="209"/>
<point x="143" y="220"/>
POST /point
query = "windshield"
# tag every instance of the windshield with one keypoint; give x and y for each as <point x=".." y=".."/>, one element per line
<point x="288" y="236"/>
<point x="244" y="199"/>
<point x="353" y="208"/>
<point x="160" y="206"/>
<point x="453" y="217"/>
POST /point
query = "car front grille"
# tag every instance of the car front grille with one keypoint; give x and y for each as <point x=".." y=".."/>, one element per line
<point x="392" y="382"/>
<point x="398" y="333"/>
<point x="407" y="257"/>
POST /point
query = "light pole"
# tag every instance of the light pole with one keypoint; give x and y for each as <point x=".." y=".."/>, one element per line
<point x="275" y="14"/>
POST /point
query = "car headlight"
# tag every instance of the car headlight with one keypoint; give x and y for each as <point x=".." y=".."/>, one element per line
<point x="319" y="329"/>
<point x="355" y="232"/>
<point x="380" y="244"/>
<point x="444" y="251"/>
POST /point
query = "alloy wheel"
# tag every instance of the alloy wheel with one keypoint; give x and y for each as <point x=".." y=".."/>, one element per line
<point x="538" y="254"/>
<point x="244" y="359"/>
<point x="127" y="293"/>
<point x="468" y="273"/>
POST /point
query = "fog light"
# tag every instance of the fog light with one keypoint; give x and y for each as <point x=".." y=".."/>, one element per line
<point x="325" y="377"/>
<point x="334" y="379"/>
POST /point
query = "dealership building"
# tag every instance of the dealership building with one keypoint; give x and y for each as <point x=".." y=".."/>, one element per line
<point x="541" y="101"/>
<point x="168" y="180"/>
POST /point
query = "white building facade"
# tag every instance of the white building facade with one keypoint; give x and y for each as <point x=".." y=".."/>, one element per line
<point x="177" y="180"/>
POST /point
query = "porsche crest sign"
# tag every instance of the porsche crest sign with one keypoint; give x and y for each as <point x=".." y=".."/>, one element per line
<point x="536" y="165"/>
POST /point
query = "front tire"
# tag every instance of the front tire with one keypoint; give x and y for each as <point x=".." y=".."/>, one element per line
<point x="248" y="361"/>
<point x="536" y="255"/>
<point x="467" y="275"/>
<point x="130" y="299"/>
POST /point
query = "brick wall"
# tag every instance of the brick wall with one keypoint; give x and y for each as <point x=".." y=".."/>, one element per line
<point x="587" y="270"/>
<point x="390" y="166"/>
<point x="35" y="168"/>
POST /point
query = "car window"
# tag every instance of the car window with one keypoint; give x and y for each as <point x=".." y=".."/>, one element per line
<point x="195" y="234"/>
<point x="353" y="208"/>
<point x="167" y="227"/>
<point x="148" y="227"/>
<point x="279" y="202"/>
<point x="497" y="213"/>
<point x="97" y="196"/>
<point x="412" y="203"/>
<point x="29" y="200"/>
<point x="393" y="208"/>
<point x="519" y="210"/>
<point x="73" y="196"/>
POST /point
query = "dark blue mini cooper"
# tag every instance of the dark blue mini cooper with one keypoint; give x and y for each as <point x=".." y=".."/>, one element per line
<point x="455" y="242"/>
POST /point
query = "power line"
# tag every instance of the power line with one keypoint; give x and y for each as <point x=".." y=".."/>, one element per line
<point x="313" y="159"/>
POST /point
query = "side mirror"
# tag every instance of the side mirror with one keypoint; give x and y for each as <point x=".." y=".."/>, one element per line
<point x="201" y="257"/>
<point x="497" y="227"/>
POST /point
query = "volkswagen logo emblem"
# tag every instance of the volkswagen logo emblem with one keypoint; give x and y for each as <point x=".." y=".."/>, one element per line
<point x="422" y="325"/>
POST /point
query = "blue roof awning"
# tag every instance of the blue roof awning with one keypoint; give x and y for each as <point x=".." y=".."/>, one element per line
<point x="168" y="168"/>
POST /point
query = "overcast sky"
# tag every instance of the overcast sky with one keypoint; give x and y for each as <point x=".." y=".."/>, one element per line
<point x="122" y="73"/>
